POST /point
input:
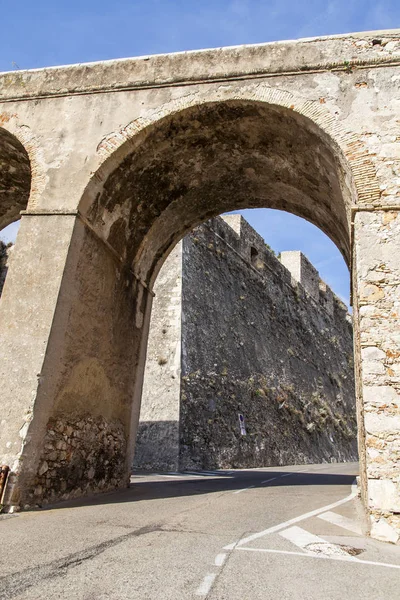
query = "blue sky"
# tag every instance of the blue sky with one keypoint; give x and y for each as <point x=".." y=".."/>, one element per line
<point x="43" y="33"/>
<point x="53" y="32"/>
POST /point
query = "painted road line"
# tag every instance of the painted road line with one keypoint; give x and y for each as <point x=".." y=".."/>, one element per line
<point x="286" y="524"/>
<point x="341" y="521"/>
<point x="285" y="475"/>
<point x="220" y="559"/>
<point x="347" y="558"/>
<point x="313" y="543"/>
<point x="199" y="473"/>
<point x="244" y="489"/>
<point x="206" y="584"/>
<point x="218" y="473"/>
<point x="202" y="474"/>
<point x="265" y="481"/>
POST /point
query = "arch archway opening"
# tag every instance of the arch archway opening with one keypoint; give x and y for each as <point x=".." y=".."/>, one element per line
<point x="15" y="184"/>
<point x="180" y="172"/>
<point x="240" y="328"/>
<point x="15" y="178"/>
<point x="211" y="159"/>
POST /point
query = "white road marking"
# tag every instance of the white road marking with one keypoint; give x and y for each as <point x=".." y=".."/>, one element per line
<point x="244" y="489"/>
<point x="182" y="474"/>
<point x="230" y="546"/>
<point x="198" y="473"/>
<point x="359" y="561"/>
<point x="218" y="473"/>
<point x="286" y="524"/>
<point x="265" y="481"/>
<point x="206" y="584"/>
<point x="220" y="559"/>
<point x="313" y="544"/>
<point x="341" y="521"/>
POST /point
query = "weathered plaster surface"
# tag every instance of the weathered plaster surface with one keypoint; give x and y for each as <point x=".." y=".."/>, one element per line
<point x="157" y="443"/>
<point x="26" y="315"/>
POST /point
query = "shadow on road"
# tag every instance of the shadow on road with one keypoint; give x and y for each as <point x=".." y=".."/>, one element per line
<point x="148" y="486"/>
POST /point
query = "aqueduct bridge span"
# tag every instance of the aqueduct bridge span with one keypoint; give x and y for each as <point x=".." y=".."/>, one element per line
<point x="112" y="163"/>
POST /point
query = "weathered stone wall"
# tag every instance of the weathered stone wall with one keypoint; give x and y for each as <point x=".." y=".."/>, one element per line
<point x="79" y="457"/>
<point x="254" y="342"/>
<point x="5" y="251"/>
<point x="378" y="276"/>
<point x="157" y="445"/>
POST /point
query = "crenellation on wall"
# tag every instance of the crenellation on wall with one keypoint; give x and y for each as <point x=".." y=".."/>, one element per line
<point x="293" y="266"/>
<point x="326" y="297"/>
<point x="302" y="271"/>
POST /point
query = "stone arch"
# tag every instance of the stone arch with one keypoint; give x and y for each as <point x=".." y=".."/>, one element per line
<point x="114" y="147"/>
<point x="358" y="181"/>
<point x="180" y="169"/>
<point x="15" y="177"/>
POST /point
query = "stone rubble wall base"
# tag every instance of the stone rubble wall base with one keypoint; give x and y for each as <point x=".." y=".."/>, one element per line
<point x="79" y="458"/>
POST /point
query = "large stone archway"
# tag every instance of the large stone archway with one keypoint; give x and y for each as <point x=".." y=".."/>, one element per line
<point x="111" y="208"/>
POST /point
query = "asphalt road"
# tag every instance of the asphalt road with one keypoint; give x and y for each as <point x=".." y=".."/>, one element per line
<point x="276" y="533"/>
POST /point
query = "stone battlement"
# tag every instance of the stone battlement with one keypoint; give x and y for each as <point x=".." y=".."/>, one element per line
<point x="293" y="266"/>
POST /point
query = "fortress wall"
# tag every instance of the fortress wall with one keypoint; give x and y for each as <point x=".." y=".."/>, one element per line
<point x="259" y="339"/>
<point x="157" y="444"/>
<point x="5" y="255"/>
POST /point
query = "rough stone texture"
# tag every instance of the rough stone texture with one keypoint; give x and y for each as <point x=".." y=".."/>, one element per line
<point x="5" y="252"/>
<point x="254" y="342"/>
<point x="149" y="148"/>
<point x="15" y="177"/>
<point x="379" y="282"/>
<point x="87" y="456"/>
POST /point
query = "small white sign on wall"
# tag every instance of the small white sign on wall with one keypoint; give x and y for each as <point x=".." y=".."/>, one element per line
<point x="241" y="424"/>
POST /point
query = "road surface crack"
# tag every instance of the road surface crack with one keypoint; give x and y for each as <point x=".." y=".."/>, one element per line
<point x="16" y="583"/>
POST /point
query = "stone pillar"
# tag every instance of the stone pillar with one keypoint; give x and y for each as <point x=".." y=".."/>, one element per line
<point x="27" y="309"/>
<point x="74" y="321"/>
<point x="377" y="278"/>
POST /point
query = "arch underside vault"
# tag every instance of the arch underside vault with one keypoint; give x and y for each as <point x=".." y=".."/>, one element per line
<point x="214" y="158"/>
